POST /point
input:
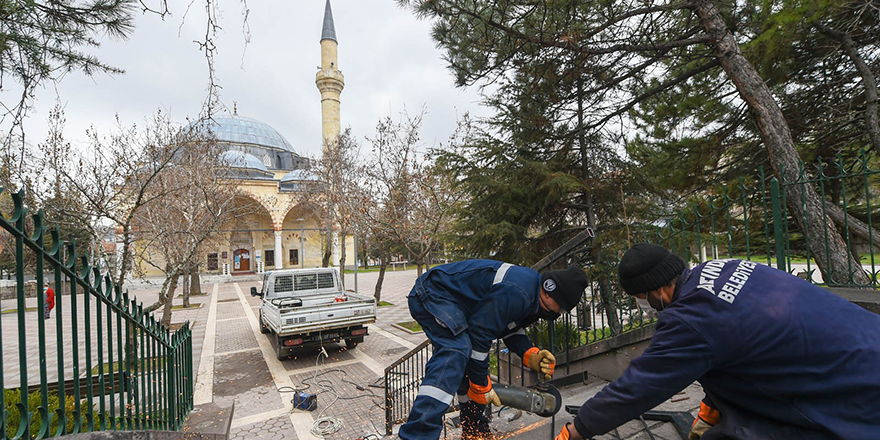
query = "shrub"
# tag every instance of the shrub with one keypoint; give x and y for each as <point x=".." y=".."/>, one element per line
<point x="13" y="397"/>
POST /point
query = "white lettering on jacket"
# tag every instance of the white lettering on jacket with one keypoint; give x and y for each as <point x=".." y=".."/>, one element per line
<point x="711" y="271"/>
<point x="736" y="281"/>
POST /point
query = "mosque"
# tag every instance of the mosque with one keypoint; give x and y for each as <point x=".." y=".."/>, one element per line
<point x="280" y="232"/>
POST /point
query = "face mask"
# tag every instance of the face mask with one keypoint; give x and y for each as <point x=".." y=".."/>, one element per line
<point x="643" y="304"/>
<point x="547" y="315"/>
<point x="657" y="304"/>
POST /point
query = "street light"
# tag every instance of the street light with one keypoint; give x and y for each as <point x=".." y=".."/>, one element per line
<point x="302" y="250"/>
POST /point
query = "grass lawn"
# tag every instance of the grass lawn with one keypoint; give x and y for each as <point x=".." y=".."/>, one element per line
<point x="365" y="270"/>
<point x="29" y="309"/>
<point x="762" y="258"/>
<point x="389" y="268"/>
<point x="411" y="326"/>
<point x="384" y="304"/>
<point x="156" y="362"/>
<point x="191" y="306"/>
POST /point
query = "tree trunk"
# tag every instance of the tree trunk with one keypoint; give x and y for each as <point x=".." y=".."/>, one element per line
<point x="328" y="250"/>
<point x="195" y="283"/>
<point x="185" y="291"/>
<point x="872" y="120"/>
<point x="834" y="261"/>
<point x="342" y="257"/>
<point x="126" y="257"/>
<point x="169" y="300"/>
<point x="383" y="264"/>
<point x="857" y="227"/>
<point x="162" y="292"/>
<point x="605" y="293"/>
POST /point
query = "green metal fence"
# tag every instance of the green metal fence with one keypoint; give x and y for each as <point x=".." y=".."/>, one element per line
<point x="114" y="367"/>
<point x="752" y="220"/>
<point x="603" y="312"/>
<point x="748" y="220"/>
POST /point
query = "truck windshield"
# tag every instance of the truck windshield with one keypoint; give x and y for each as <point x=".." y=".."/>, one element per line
<point x="287" y="284"/>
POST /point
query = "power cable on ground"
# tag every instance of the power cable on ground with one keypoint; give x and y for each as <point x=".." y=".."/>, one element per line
<point x="324" y="426"/>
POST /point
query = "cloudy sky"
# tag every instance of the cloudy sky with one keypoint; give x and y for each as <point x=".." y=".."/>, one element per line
<point x="389" y="60"/>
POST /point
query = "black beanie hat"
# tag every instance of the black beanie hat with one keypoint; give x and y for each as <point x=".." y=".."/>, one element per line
<point x="566" y="286"/>
<point x="646" y="267"/>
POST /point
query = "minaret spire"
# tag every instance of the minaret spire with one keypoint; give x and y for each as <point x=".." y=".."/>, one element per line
<point x="329" y="30"/>
<point x="329" y="80"/>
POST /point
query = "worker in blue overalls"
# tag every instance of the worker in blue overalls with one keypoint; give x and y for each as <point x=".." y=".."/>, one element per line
<point x="778" y="357"/>
<point x="462" y="308"/>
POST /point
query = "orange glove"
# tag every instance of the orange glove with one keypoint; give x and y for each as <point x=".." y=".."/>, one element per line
<point x="484" y="394"/>
<point x="541" y="361"/>
<point x="564" y="433"/>
<point x="707" y="418"/>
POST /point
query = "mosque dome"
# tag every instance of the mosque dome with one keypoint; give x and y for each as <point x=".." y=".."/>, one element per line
<point x="298" y="175"/>
<point x="235" y="129"/>
<point x="240" y="159"/>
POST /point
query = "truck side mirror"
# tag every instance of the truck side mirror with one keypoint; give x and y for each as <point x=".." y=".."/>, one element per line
<point x="255" y="292"/>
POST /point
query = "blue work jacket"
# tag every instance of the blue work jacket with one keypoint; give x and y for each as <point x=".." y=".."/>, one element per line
<point x="487" y="299"/>
<point x="765" y="342"/>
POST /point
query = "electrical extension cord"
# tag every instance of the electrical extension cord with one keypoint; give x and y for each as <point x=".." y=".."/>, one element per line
<point x="324" y="426"/>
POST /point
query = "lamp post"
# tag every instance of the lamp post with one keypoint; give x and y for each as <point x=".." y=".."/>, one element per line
<point x="355" y="262"/>
<point x="302" y="249"/>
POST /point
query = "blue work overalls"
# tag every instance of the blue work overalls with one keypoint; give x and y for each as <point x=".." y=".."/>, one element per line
<point x="780" y="358"/>
<point x="463" y="307"/>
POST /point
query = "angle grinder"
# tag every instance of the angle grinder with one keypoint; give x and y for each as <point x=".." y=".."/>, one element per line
<point x="543" y="400"/>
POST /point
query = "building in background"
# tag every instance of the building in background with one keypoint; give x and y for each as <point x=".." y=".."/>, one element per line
<point x="280" y="231"/>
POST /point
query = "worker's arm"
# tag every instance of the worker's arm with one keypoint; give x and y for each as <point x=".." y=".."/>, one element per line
<point x="519" y="343"/>
<point x="677" y="356"/>
<point x="505" y="304"/>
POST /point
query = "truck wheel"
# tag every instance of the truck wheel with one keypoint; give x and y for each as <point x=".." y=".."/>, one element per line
<point x="353" y="342"/>
<point x="263" y="328"/>
<point x="280" y="351"/>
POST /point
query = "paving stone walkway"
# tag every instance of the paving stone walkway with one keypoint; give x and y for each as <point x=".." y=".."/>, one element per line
<point x="347" y="382"/>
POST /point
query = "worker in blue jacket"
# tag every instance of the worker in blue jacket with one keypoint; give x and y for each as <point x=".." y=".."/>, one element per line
<point x="778" y="357"/>
<point x="463" y="307"/>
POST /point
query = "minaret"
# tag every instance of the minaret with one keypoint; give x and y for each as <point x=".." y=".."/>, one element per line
<point x="329" y="80"/>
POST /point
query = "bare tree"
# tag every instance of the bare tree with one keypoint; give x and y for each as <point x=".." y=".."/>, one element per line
<point x="119" y="175"/>
<point x="414" y="197"/>
<point x="330" y="194"/>
<point x="196" y="201"/>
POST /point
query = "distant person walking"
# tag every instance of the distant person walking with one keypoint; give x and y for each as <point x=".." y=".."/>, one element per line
<point x="49" y="304"/>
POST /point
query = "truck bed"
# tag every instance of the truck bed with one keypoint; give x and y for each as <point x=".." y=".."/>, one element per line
<point x="321" y="312"/>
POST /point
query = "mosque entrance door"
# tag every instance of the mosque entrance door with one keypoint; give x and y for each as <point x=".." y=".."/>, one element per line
<point x="241" y="260"/>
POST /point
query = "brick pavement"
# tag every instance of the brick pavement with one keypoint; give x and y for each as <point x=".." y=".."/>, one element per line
<point x="242" y="369"/>
<point x="10" y="335"/>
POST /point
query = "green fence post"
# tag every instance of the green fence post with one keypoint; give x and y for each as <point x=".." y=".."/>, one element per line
<point x="57" y="248"/>
<point x="3" y="413"/>
<point x="776" y="206"/>
<point x="19" y="216"/>
<point x="43" y="409"/>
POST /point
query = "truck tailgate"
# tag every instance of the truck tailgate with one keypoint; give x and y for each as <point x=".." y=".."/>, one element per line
<point x="322" y="312"/>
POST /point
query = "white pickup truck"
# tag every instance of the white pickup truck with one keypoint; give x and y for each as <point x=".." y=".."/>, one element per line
<point x="304" y="307"/>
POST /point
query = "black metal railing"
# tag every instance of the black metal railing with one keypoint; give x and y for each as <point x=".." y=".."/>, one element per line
<point x="402" y="380"/>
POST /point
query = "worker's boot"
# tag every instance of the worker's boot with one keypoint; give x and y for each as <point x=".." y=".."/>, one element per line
<point x="474" y="424"/>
